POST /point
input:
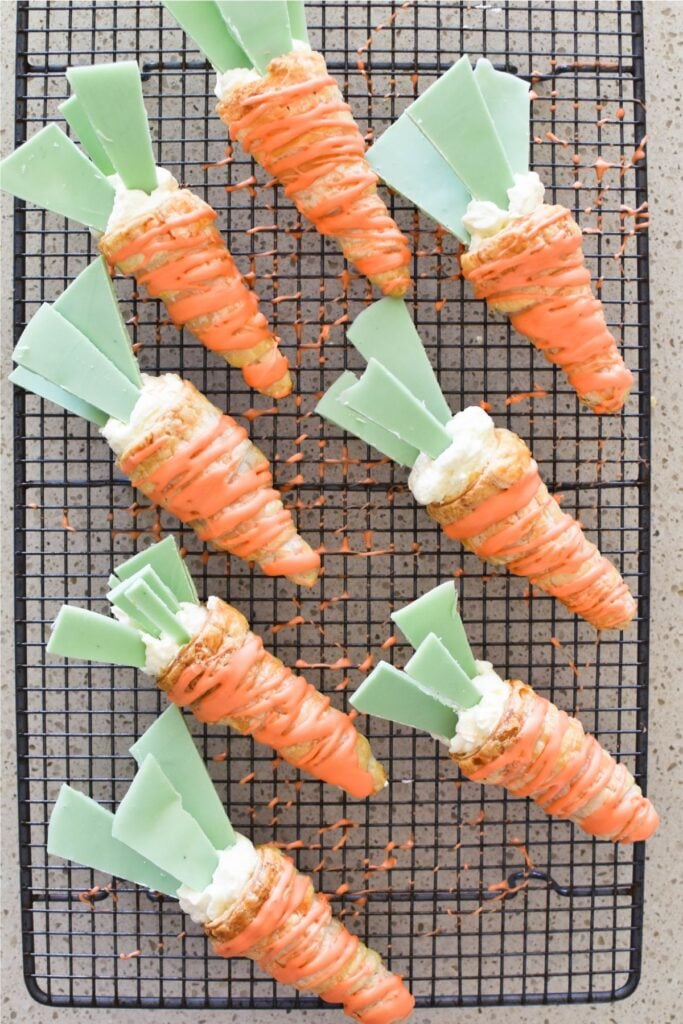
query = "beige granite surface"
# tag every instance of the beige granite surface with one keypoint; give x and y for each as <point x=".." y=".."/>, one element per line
<point x="659" y="997"/>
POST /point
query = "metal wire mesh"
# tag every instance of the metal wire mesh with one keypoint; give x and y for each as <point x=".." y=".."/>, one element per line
<point x="476" y="898"/>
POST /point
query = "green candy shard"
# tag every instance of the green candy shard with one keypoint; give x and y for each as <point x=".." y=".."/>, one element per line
<point x="169" y="740"/>
<point x="408" y="162"/>
<point x="50" y="171"/>
<point x="80" y="830"/>
<point x="386" y="333"/>
<point x="164" y="594"/>
<point x="434" y="667"/>
<point x="203" y="23"/>
<point x="391" y="694"/>
<point x="79" y="633"/>
<point x="90" y="304"/>
<point x="508" y="101"/>
<point x="30" y="381"/>
<point x="58" y="351"/>
<point x="118" y="596"/>
<point x="151" y="820"/>
<point x="454" y="117"/>
<point x="261" y="29"/>
<point x="379" y="396"/>
<point x="112" y="98"/>
<point x="165" y="559"/>
<point x="147" y="602"/>
<point x="297" y="20"/>
<point x="332" y="408"/>
<point x="437" y="612"/>
<point x="75" y="116"/>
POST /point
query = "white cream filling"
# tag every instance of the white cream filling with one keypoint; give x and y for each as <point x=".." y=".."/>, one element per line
<point x="451" y="473"/>
<point x="234" y="869"/>
<point x="160" y="651"/>
<point x="483" y="219"/>
<point x="131" y="203"/>
<point x="156" y="395"/>
<point x="235" y="78"/>
<point x="476" y="724"/>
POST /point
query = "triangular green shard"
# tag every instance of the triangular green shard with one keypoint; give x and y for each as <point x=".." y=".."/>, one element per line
<point x="50" y="171"/>
<point x="118" y="596"/>
<point x="385" y="332"/>
<point x="169" y="740"/>
<point x="437" y="612"/>
<point x="149" y="576"/>
<point x="391" y="694"/>
<point x="204" y="24"/>
<point x="297" y="20"/>
<point x="438" y="671"/>
<point x="30" y="381"/>
<point x="261" y="29"/>
<point x="54" y="348"/>
<point x="508" y="101"/>
<point x="79" y="633"/>
<point x="90" y="304"/>
<point x="75" y="116"/>
<point x="81" y="830"/>
<point x="165" y="559"/>
<point x="111" y="95"/>
<point x="145" y="600"/>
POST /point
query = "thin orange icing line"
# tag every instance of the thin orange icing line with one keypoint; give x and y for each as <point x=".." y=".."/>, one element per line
<point x="498" y="507"/>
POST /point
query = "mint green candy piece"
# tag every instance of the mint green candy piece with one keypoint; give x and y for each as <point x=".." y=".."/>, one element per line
<point x="437" y="670"/>
<point x="261" y="29"/>
<point x="408" y="162"/>
<point x="508" y="102"/>
<point x="30" y="381"/>
<point x="79" y="633"/>
<point x="385" y="332"/>
<point x="437" y="612"/>
<point x="75" y="116"/>
<point x="152" y="821"/>
<point x="391" y="694"/>
<point x="169" y="740"/>
<point x="297" y="20"/>
<point x="58" y="351"/>
<point x="81" y="830"/>
<point x="50" y="171"/>
<point x="118" y="596"/>
<point x="90" y="304"/>
<point x="148" y="603"/>
<point x="112" y="98"/>
<point x="165" y="559"/>
<point x="203" y="23"/>
<point x="379" y="396"/>
<point x="147" y="574"/>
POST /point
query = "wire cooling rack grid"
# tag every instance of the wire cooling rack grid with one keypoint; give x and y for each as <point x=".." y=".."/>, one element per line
<point x="476" y="898"/>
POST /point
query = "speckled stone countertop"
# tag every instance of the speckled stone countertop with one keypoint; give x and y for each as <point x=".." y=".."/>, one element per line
<point x="658" y="998"/>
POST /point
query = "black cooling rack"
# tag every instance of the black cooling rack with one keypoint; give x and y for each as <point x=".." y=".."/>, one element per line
<point x="478" y="899"/>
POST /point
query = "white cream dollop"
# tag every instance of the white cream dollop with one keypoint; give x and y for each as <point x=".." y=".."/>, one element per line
<point x="156" y="395"/>
<point x="484" y="219"/>
<point x="234" y="78"/>
<point x="476" y="724"/>
<point x="161" y="651"/>
<point x="234" y="869"/>
<point x="131" y="203"/>
<point x="449" y="475"/>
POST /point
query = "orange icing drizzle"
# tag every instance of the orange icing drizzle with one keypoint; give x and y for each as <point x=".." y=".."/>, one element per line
<point x="202" y="280"/>
<point x="625" y="817"/>
<point x="569" y="329"/>
<point x="300" y="943"/>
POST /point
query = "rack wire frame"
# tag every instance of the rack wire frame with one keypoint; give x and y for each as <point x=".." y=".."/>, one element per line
<point x="476" y="898"/>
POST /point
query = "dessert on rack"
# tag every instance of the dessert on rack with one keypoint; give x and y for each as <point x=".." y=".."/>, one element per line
<point x="500" y="732"/>
<point x="148" y="227"/>
<point x="171" y="834"/>
<point x="479" y="481"/>
<point x="283" y="107"/>
<point x="460" y="152"/>
<point x="205" y="658"/>
<point x="173" y="444"/>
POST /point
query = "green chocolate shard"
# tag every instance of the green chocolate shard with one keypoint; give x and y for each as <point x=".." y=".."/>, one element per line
<point x="508" y="101"/>
<point x="437" y="612"/>
<point x="437" y="670"/>
<point x="58" y="351"/>
<point x="165" y="559"/>
<point x="118" y="596"/>
<point x="379" y="396"/>
<point x="331" y="408"/>
<point x="408" y="162"/>
<point x="75" y="116"/>
<point x="111" y="95"/>
<point x="169" y="740"/>
<point x="89" y="303"/>
<point x="203" y="23"/>
<point x="50" y="171"/>
<point x="158" y="587"/>
<point x="261" y="29"/>
<point x="391" y="694"/>
<point x="80" y="830"/>
<point x="385" y="332"/>
<point x="79" y="633"/>
<point x="297" y="20"/>
<point x="151" y="820"/>
<point x="455" y="119"/>
<point x="30" y="381"/>
<point x="147" y="602"/>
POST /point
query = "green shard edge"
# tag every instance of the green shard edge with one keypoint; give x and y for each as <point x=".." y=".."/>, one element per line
<point x="75" y="116"/>
<point x="262" y="30"/>
<point x="204" y="24"/>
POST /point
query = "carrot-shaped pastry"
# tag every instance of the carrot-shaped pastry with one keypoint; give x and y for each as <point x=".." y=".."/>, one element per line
<point x="150" y="229"/>
<point x="500" y="732"/>
<point x="461" y="153"/>
<point x="174" y="445"/>
<point x="478" y="481"/>
<point x="280" y="103"/>
<point x="171" y="834"/>
<point x="205" y="658"/>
